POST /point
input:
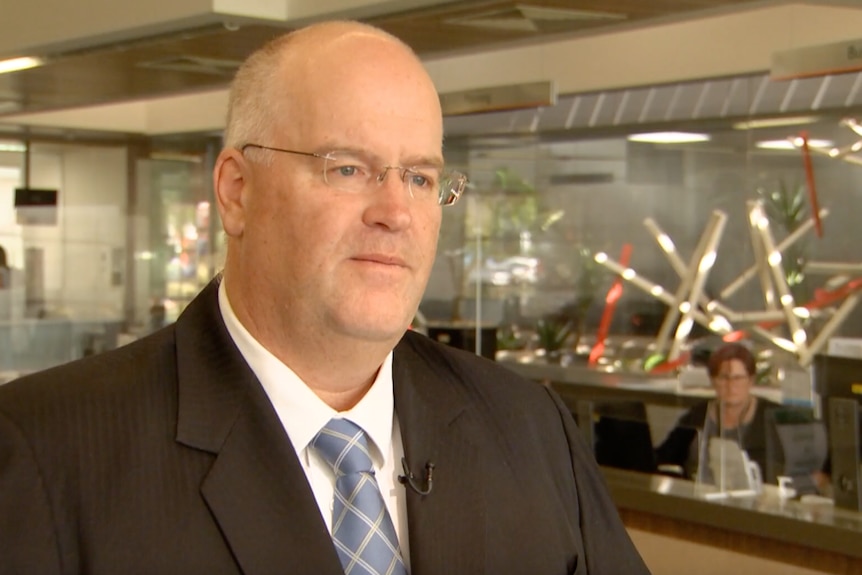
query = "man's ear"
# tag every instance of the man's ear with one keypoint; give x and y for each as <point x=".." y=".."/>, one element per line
<point x="230" y="184"/>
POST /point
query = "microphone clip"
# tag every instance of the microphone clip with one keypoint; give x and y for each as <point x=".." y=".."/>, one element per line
<point x="410" y="480"/>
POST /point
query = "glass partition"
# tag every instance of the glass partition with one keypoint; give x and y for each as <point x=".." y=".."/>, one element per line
<point x="127" y="239"/>
<point x="630" y="246"/>
<point x="541" y="212"/>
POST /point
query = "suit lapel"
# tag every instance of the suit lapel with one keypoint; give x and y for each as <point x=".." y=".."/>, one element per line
<point x="256" y="489"/>
<point x="447" y="526"/>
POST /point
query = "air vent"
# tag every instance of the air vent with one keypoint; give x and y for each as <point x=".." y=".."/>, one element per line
<point x="728" y="99"/>
<point x="529" y="18"/>
<point x="194" y="64"/>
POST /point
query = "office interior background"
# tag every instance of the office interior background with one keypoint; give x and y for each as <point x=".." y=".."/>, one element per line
<point x="111" y="138"/>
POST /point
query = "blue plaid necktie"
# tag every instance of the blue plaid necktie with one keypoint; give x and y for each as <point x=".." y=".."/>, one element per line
<point x="361" y="527"/>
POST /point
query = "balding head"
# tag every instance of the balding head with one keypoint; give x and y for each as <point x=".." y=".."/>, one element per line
<point x="263" y="85"/>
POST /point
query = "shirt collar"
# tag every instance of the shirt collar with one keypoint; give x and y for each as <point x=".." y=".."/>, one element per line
<point x="301" y="411"/>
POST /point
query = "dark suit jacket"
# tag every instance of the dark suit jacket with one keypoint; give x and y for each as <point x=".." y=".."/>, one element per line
<point x="166" y="456"/>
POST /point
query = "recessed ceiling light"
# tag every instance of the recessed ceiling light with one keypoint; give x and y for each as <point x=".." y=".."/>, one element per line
<point x="16" y="64"/>
<point x="774" y="122"/>
<point x="9" y="146"/>
<point x="792" y="144"/>
<point x="669" y="137"/>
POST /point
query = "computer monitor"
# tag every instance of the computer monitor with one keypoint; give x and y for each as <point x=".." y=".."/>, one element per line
<point x="796" y="447"/>
<point x="838" y="382"/>
<point x="621" y="435"/>
<point x="836" y="376"/>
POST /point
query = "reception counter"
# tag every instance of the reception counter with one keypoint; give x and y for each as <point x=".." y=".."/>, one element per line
<point x="808" y="536"/>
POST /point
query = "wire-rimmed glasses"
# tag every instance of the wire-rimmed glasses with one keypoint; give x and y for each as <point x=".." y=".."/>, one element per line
<point x="352" y="171"/>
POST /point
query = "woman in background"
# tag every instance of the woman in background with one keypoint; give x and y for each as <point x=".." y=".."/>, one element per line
<point x="735" y="414"/>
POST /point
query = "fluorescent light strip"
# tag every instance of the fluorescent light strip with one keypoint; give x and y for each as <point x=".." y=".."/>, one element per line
<point x="774" y="122"/>
<point x="17" y="64"/>
<point x="792" y="144"/>
<point x="669" y="137"/>
<point x="12" y="147"/>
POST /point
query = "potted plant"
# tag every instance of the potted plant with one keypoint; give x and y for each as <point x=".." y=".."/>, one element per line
<point x="553" y="333"/>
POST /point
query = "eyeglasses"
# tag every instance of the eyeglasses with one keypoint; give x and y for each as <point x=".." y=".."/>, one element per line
<point x="735" y="378"/>
<point x="353" y="172"/>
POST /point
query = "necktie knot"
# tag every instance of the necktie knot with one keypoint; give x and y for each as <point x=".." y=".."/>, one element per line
<point x="343" y="445"/>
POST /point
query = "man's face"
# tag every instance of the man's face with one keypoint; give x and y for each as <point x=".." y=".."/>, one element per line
<point x="335" y="262"/>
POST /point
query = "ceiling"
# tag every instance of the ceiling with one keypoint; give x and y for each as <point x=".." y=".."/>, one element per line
<point x="205" y="58"/>
<point x="716" y="102"/>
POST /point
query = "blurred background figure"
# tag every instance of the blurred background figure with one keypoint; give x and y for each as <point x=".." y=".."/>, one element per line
<point x="735" y="414"/>
<point x="158" y="316"/>
<point x="5" y="271"/>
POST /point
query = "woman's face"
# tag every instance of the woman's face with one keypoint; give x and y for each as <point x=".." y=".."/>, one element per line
<point x="733" y="383"/>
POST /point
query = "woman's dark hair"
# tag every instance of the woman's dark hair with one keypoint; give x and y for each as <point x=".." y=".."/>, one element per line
<point x="728" y="352"/>
<point x="3" y="262"/>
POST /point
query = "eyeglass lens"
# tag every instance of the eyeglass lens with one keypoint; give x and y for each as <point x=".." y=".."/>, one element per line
<point x="353" y="173"/>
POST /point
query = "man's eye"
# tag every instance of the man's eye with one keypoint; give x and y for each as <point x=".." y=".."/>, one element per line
<point x="420" y="181"/>
<point x="349" y="170"/>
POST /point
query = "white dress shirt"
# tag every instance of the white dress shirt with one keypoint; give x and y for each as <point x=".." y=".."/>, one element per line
<point x="303" y="414"/>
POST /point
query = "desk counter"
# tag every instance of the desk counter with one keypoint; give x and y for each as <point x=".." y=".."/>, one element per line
<point x="805" y="534"/>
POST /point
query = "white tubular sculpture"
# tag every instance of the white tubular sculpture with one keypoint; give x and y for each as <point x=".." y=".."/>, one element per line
<point x="689" y="304"/>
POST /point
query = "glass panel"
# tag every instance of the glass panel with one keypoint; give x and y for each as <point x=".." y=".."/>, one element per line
<point x="179" y="250"/>
<point x="535" y="209"/>
<point x="63" y="292"/>
<point x="105" y="264"/>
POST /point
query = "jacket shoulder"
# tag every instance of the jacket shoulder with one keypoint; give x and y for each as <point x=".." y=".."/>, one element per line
<point x="107" y="375"/>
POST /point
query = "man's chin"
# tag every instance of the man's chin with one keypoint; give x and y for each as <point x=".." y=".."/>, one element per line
<point x="374" y="331"/>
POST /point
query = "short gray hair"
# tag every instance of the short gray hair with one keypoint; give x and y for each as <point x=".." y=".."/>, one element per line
<point x="251" y="99"/>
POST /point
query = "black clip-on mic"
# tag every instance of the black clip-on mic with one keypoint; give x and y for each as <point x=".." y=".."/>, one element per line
<point x="409" y="479"/>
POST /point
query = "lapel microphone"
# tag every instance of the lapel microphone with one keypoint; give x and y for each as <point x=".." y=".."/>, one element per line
<point x="410" y="480"/>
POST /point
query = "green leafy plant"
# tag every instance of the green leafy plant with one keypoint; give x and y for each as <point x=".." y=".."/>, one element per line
<point x="587" y="287"/>
<point x="553" y="333"/>
<point x="522" y="210"/>
<point x="786" y="207"/>
<point x="510" y="338"/>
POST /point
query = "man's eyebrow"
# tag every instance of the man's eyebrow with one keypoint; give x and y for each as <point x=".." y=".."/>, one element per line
<point x="425" y="161"/>
<point x="434" y="161"/>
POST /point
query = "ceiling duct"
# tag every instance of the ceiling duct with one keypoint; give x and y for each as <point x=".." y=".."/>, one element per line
<point x="723" y="99"/>
<point x="515" y="96"/>
<point x="532" y="18"/>
<point x="194" y="64"/>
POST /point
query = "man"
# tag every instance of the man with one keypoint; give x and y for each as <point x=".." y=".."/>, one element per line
<point x="202" y="448"/>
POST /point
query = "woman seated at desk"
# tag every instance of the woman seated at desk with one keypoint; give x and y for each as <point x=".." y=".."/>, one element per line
<point x="735" y="414"/>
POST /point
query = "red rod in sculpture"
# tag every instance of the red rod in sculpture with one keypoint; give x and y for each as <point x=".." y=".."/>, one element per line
<point x="812" y="188"/>
<point x="611" y="299"/>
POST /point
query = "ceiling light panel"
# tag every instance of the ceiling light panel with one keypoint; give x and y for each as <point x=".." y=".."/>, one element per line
<point x="669" y="137"/>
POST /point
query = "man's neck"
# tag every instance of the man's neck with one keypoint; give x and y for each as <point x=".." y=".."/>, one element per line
<point x="337" y="367"/>
<point x="340" y="375"/>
